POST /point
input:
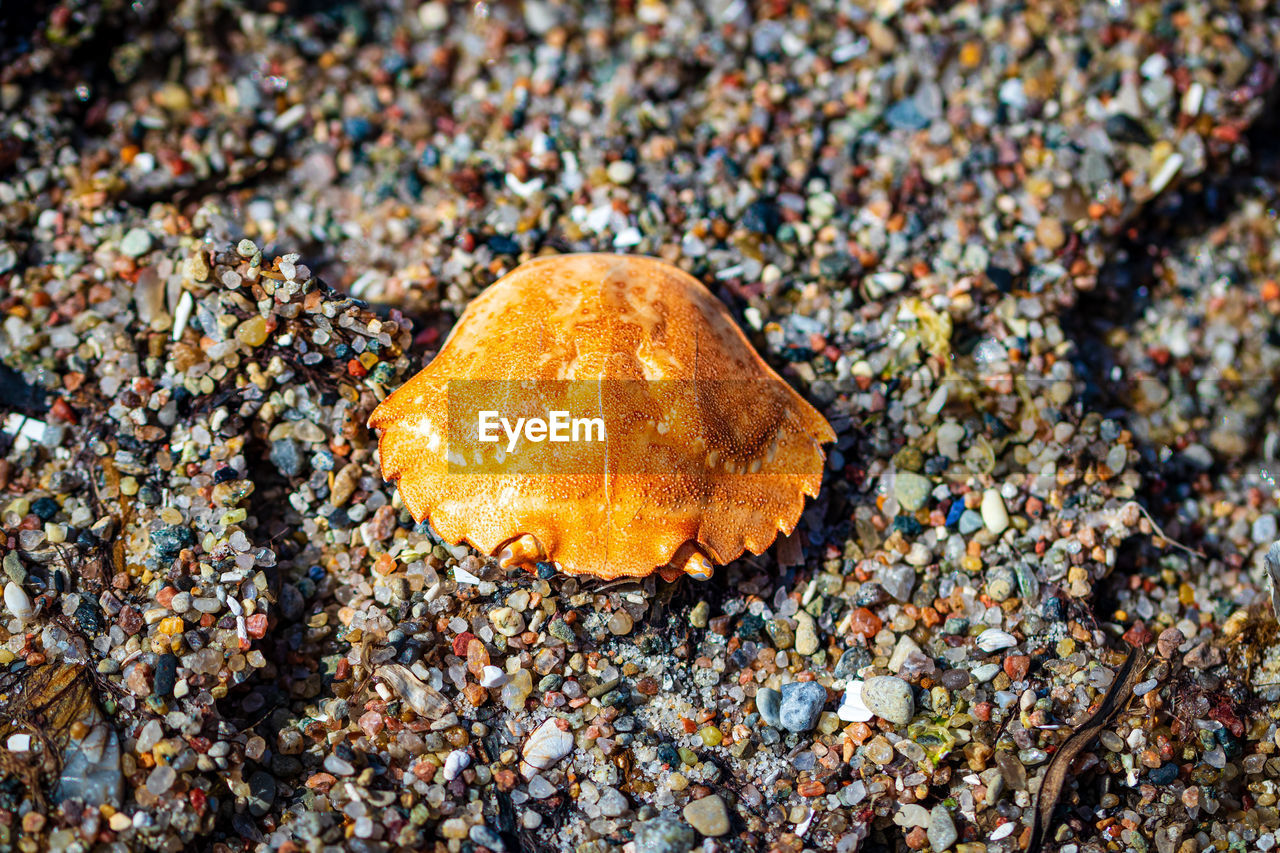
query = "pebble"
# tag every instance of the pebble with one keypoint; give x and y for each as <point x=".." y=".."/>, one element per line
<point x="942" y="829"/>
<point x="889" y="697"/>
<point x="136" y="242"/>
<point x="769" y="704"/>
<point x="911" y="489"/>
<point x="801" y="705"/>
<point x="664" y="834"/>
<point x="994" y="514"/>
<point x="708" y="816"/>
<point x="806" y="638"/>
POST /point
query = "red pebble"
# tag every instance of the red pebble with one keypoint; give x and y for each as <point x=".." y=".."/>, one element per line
<point x="461" y="642"/>
<point x="1139" y="635"/>
<point x="256" y="625"/>
<point x="62" y="412"/>
<point x="356" y="369"/>
<point x="865" y="622"/>
<point x="1016" y="666"/>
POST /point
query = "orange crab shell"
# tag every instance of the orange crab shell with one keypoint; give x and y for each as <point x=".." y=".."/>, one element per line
<point x="707" y="446"/>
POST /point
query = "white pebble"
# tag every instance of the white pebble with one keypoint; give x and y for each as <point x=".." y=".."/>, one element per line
<point x="19" y="743"/>
<point x="994" y="514"/>
<point x="492" y="677"/>
<point x="455" y="763"/>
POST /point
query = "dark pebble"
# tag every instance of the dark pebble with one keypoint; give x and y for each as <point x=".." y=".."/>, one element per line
<point x="88" y="616"/>
<point x="169" y="542"/>
<point x="853" y="659"/>
<point x="761" y="217"/>
<point x="262" y="792"/>
<point x="1125" y="128"/>
<point x="166" y="673"/>
<point x="1163" y="775"/>
<point x="44" y="508"/>
<point x="870" y="594"/>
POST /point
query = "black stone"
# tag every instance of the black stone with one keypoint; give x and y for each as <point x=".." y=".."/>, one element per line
<point x="166" y="673"/>
<point x="44" y="508"/>
<point x="1125" y="128"/>
<point x="88" y="616"/>
<point x="503" y="245"/>
<point x="762" y="217"/>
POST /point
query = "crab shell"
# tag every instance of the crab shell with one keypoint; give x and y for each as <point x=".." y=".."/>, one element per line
<point x="707" y="453"/>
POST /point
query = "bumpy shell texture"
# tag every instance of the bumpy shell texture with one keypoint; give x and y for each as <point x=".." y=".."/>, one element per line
<point x="704" y="443"/>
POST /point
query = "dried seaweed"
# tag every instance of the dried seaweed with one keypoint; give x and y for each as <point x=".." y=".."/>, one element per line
<point x="1055" y="777"/>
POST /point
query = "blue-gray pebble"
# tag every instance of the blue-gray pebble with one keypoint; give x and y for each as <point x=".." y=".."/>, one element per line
<point x="802" y="703"/>
<point x="768" y="701"/>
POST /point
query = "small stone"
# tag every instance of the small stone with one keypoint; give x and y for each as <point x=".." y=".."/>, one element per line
<point x="621" y="171"/>
<point x="664" y="834"/>
<point x="1001" y="583"/>
<point x="1204" y="656"/>
<point x="620" y="623"/>
<point x="1263" y="530"/>
<point x="708" y="816"/>
<point x="994" y="514"/>
<point x="1050" y="234"/>
<point x="768" y="703"/>
<point x="700" y="615"/>
<point x="455" y="763"/>
<point x="262" y="792"/>
<point x="889" y="697"/>
<point x="942" y="829"/>
<point x="801" y="705"/>
<point x="540" y="788"/>
<point x="898" y="581"/>
<point x="166" y="674"/>
<point x="136" y="242"/>
<point x="903" y="650"/>
<point x="286" y="455"/>
<point x="345" y="483"/>
<point x="911" y="490"/>
<point x="806" y="634"/>
<point x="161" y="779"/>
<point x="1168" y="642"/>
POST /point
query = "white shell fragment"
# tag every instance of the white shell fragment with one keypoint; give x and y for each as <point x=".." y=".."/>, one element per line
<point x="545" y="747"/>
<point x="18" y="602"/>
<point x="425" y="700"/>
<point x="993" y="640"/>
<point x="852" y="709"/>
